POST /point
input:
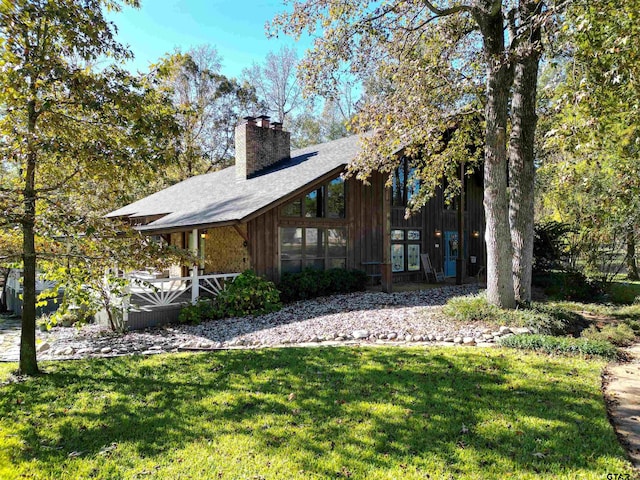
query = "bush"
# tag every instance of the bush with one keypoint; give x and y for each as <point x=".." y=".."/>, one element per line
<point x="470" y="308"/>
<point x="204" y="309"/>
<point x="561" y="345"/>
<point x="540" y="318"/>
<point x="249" y="294"/>
<point x="621" y="335"/>
<point x="569" y="286"/>
<point x="311" y="283"/>
<point x="549" y="245"/>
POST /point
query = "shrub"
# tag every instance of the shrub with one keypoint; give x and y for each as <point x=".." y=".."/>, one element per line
<point x="204" y="309"/>
<point x="570" y="285"/>
<point x="249" y="294"/>
<point x="311" y="283"/>
<point x="561" y="345"/>
<point x="549" y="245"/>
<point x="621" y="335"/>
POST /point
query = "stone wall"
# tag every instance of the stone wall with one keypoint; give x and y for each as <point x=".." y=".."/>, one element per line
<point x="224" y="251"/>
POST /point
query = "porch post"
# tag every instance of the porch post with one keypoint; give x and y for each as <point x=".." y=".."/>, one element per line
<point x="126" y="301"/>
<point x="387" y="275"/>
<point x="195" y="281"/>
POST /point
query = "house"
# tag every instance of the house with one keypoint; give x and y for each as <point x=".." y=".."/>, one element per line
<point x="279" y="211"/>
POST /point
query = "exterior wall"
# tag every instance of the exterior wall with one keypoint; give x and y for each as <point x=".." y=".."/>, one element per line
<point x="363" y="205"/>
<point x="434" y="216"/>
<point x="224" y="250"/>
<point x="259" y="147"/>
<point x="177" y="239"/>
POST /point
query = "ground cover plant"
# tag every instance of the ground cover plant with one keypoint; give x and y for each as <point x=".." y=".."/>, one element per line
<point x="360" y="413"/>
<point x="544" y="318"/>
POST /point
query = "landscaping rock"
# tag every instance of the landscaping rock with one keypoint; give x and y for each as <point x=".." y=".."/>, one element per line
<point x="504" y="330"/>
<point x="360" y="334"/>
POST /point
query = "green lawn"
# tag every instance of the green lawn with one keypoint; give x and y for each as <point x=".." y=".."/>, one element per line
<point x="366" y="413"/>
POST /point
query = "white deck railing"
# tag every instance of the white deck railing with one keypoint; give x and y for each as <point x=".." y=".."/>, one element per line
<point x="14" y="282"/>
<point x="146" y="292"/>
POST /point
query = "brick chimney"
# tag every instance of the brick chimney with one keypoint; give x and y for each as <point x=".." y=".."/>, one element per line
<point x="260" y="145"/>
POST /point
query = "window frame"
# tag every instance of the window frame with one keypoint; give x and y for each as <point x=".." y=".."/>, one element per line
<point x="405" y="243"/>
<point x="307" y="257"/>
<point x="322" y="193"/>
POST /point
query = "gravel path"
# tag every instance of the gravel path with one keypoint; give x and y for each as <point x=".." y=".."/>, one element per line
<point x="365" y="317"/>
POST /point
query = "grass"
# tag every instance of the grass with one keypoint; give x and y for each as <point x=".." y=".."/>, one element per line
<point x="625" y="292"/>
<point x="360" y="413"/>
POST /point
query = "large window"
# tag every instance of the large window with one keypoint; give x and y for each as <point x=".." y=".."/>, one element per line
<point x="319" y="248"/>
<point x="405" y="250"/>
<point x="326" y="201"/>
<point x="405" y="184"/>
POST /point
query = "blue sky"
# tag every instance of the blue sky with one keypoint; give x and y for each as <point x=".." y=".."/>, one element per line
<point x="235" y="28"/>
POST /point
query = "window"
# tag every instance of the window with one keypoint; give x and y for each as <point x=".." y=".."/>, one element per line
<point x="404" y="184"/>
<point x="405" y="250"/>
<point x="326" y="201"/>
<point x="319" y="248"/>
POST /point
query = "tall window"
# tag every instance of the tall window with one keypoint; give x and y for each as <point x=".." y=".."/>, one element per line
<point x="319" y="248"/>
<point x="404" y="184"/>
<point x="327" y="201"/>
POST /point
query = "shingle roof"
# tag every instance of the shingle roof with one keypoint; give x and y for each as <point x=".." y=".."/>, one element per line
<point x="219" y="197"/>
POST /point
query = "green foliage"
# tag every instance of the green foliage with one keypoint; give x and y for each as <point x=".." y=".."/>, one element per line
<point x="549" y="245"/>
<point x="569" y="285"/>
<point x="621" y="335"/>
<point x="204" y="309"/>
<point x="561" y="345"/>
<point x="538" y="317"/>
<point x="300" y="413"/>
<point x="311" y="283"/>
<point x="249" y="294"/>
<point x="471" y="308"/>
<point x="625" y="293"/>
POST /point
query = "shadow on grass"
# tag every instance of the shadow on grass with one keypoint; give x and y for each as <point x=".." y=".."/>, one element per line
<point x="362" y="408"/>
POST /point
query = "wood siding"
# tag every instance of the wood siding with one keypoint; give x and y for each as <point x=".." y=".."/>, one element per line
<point x="363" y="217"/>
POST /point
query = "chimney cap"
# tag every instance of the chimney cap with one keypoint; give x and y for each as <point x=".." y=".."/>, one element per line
<point x="263" y="121"/>
<point x="276" y="125"/>
<point x="250" y="120"/>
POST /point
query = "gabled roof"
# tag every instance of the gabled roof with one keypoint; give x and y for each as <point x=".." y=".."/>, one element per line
<point x="218" y="197"/>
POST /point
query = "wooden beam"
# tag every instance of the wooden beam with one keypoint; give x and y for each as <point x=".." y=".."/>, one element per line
<point x="241" y="233"/>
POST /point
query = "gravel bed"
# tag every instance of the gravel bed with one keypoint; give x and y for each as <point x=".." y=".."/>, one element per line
<point x="364" y="317"/>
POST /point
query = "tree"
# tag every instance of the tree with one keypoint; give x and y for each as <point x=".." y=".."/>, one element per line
<point x="73" y="138"/>
<point x="593" y="135"/>
<point x="433" y="59"/>
<point x="276" y="83"/>
<point x="209" y="107"/>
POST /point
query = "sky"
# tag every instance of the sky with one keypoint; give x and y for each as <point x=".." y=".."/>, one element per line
<point x="235" y="27"/>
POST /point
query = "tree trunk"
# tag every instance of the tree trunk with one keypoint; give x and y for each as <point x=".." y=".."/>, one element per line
<point x="632" y="266"/>
<point x="496" y="202"/>
<point x="28" y="361"/>
<point x="521" y="154"/>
